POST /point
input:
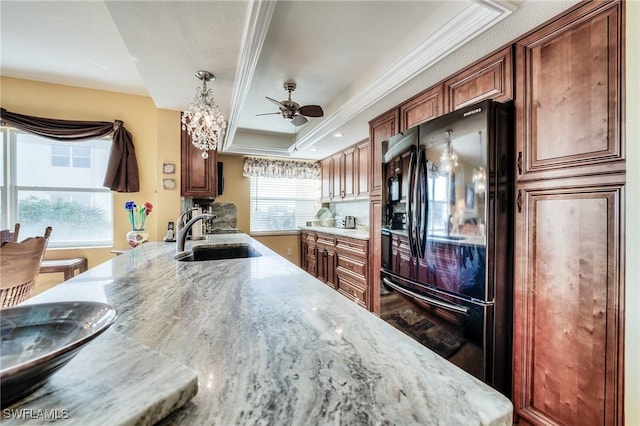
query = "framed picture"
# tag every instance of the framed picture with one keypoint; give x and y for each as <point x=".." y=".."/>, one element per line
<point x="168" y="168"/>
<point x="169" y="184"/>
<point x="470" y="197"/>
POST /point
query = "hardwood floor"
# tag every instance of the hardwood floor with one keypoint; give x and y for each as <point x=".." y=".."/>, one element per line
<point x="439" y="336"/>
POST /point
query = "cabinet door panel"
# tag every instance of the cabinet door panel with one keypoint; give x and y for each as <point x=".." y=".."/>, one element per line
<point x="326" y="166"/>
<point x="567" y="306"/>
<point x="492" y="78"/>
<point x="198" y="175"/>
<point x="424" y="107"/>
<point x="381" y="129"/>
<point x="569" y="112"/>
<point x="349" y="174"/>
<point x="362" y="173"/>
<point x="338" y="176"/>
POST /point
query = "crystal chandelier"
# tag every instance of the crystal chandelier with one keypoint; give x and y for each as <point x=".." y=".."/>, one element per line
<point x="480" y="173"/>
<point x="448" y="159"/>
<point x="480" y="179"/>
<point x="202" y="119"/>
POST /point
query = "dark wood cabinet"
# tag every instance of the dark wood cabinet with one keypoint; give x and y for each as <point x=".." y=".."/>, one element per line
<point x="199" y="177"/>
<point x="308" y="252"/>
<point x="326" y="167"/>
<point x="326" y="259"/>
<point x="569" y="226"/>
<point x="351" y="269"/>
<point x="569" y="105"/>
<point x="363" y="170"/>
<point x="348" y="174"/>
<point x="568" y="310"/>
<point x="338" y="176"/>
<point x="380" y="129"/>
<point x="340" y="262"/>
<point x="421" y="108"/>
<point x="345" y="175"/>
<point x="490" y="78"/>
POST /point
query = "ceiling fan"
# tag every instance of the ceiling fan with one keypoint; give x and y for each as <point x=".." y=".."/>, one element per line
<point x="292" y="110"/>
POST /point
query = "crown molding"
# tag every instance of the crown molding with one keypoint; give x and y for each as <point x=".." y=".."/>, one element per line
<point x="254" y="35"/>
<point x="474" y="19"/>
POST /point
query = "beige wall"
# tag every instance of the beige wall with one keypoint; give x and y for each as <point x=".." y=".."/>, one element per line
<point x="156" y="137"/>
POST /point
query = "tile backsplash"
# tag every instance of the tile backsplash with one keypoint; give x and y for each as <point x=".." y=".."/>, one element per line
<point x="358" y="209"/>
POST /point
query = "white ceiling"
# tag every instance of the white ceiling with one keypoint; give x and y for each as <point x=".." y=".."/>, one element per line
<point x="356" y="59"/>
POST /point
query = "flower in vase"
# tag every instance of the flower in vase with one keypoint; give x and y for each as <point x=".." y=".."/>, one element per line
<point x="138" y="215"/>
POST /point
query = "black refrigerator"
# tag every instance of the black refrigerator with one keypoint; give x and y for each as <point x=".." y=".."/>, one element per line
<point x="447" y="237"/>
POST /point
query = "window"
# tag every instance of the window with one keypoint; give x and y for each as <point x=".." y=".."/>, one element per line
<point x="58" y="184"/>
<point x="282" y="204"/>
<point x="438" y="203"/>
<point x="70" y="156"/>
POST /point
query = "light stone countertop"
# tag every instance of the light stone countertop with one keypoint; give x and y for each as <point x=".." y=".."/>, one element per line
<point x="341" y="232"/>
<point x="273" y="345"/>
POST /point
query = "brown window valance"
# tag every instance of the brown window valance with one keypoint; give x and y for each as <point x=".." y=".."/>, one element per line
<point x="122" y="170"/>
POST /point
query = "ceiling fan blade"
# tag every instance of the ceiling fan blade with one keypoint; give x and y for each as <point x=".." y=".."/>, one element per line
<point x="311" y="110"/>
<point x="299" y="120"/>
<point x="276" y="102"/>
<point x="269" y="113"/>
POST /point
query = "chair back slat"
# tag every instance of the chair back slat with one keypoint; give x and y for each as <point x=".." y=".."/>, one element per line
<point x="7" y="235"/>
<point x="19" y="267"/>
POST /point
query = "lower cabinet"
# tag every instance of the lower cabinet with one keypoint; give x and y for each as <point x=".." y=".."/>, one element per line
<point x="326" y="259"/>
<point x="339" y="262"/>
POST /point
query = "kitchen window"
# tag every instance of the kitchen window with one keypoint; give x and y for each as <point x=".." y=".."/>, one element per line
<point x="284" y="194"/>
<point x="59" y="184"/>
<point x="282" y="204"/>
<point x="71" y="156"/>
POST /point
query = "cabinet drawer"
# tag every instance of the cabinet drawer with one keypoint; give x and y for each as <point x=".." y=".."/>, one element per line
<point x="358" y="267"/>
<point x="352" y="277"/>
<point x="352" y="291"/>
<point x="325" y="241"/>
<point x="351" y="246"/>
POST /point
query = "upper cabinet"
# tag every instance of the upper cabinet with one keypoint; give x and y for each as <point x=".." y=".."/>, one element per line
<point x="198" y="175"/>
<point x="362" y="162"/>
<point x="423" y="107"/>
<point x="345" y="175"/>
<point x="491" y="78"/>
<point x="568" y="78"/>
<point x="381" y="129"/>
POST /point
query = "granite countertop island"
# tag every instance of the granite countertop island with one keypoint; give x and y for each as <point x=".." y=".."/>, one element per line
<point x="272" y="345"/>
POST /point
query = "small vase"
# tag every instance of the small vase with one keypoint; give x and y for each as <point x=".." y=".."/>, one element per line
<point x="135" y="237"/>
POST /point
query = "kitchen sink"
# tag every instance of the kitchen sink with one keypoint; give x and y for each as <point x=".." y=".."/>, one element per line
<point x="217" y="252"/>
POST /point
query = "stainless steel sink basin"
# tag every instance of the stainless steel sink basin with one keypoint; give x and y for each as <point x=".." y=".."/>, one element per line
<point x="217" y="252"/>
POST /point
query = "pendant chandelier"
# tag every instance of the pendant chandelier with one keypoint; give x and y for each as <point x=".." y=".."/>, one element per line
<point x="448" y="159"/>
<point x="480" y="173"/>
<point x="202" y="119"/>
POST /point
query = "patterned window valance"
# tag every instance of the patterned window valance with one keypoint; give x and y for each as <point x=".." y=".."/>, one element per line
<point x="291" y="169"/>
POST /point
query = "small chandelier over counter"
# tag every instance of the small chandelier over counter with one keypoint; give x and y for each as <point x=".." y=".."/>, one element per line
<point x="202" y="119"/>
<point x="479" y="176"/>
<point x="448" y="159"/>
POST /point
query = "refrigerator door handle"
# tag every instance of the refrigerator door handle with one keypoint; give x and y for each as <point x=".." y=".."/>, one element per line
<point x="452" y="307"/>
<point x="410" y="204"/>
<point x="423" y="203"/>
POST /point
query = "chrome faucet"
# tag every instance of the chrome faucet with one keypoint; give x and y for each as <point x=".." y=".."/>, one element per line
<point x="180" y="220"/>
<point x="182" y="235"/>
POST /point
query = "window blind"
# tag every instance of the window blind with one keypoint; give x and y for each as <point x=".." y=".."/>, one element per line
<point x="282" y="204"/>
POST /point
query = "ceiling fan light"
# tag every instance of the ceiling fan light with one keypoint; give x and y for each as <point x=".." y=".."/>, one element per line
<point x="202" y="119"/>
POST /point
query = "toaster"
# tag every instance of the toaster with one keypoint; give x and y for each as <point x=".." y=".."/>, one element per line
<point x="349" y="222"/>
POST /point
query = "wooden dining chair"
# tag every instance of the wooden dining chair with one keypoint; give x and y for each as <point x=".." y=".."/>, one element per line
<point x="6" y="235"/>
<point x="19" y="268"/>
